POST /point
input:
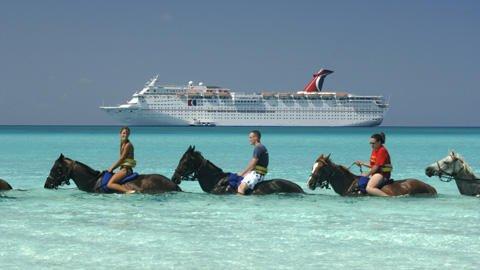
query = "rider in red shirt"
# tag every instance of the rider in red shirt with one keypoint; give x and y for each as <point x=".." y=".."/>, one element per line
<point x="380" y="165"/>
<point x="380" y="157"/>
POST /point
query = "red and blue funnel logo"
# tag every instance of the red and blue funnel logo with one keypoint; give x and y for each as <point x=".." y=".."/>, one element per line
<point x="315" y="85"/>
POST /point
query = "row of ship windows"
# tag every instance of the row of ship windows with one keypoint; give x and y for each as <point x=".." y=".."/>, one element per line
<point x="274" y="115"/>
<point x="256" y="107"/>
<point x="267" y="110"/>
<point x="262" y="100"/>
<point x="199" y="102"/>
<point x="287" y="116"/>
<point x="283" y="111"/>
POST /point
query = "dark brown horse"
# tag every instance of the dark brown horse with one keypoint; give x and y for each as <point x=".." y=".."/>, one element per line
<point x="4" y="185"/>
<point x="193" y="166"/>
<point x="345" y="183"/>
<point x="89" y="180"/>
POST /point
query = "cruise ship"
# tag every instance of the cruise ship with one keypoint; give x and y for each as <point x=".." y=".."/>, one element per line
<point x="198" y="104"/>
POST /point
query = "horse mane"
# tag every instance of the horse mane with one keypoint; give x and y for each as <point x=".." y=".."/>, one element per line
<point x="339" y="167"/>
<point x="88" y="168"/>
<point x="345" y="169"/>
<point x="211" y="163"/>
<point x="467" y="167"/>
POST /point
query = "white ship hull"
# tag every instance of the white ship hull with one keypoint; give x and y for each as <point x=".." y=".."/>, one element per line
<point x="140" y="117"/>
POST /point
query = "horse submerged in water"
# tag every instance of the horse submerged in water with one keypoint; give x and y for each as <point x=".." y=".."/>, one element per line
<point x="345" y="183"/>
<point x="454" y="167"/>
<point x="193" y="166"/>
<point x="90" y="180"/>
<point x="4" y="185"/>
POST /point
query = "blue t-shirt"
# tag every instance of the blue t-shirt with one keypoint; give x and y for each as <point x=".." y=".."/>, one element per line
<point x="261" y="153"/>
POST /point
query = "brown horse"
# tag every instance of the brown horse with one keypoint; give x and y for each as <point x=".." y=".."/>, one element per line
<point x="89" y="180"/>
<point x="193" y="166"/>
<point x="345" y="183"/>
<point x="4" y="185"/>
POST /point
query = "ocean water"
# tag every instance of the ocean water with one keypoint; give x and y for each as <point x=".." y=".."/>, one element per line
<point x="67" y="228"/>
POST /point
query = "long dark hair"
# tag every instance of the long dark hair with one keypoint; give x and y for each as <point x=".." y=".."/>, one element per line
<point x="379" y="137"/>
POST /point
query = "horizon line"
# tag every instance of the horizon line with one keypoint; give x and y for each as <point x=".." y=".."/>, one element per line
<point x="119" y="125"/>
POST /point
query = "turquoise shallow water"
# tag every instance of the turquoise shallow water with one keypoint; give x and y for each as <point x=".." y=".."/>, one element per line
<point x="69" y="228"/>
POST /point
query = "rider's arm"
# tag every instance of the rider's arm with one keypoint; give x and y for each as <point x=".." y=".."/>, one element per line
<point x="122" y="158"/>
<point x="251" y="165"/>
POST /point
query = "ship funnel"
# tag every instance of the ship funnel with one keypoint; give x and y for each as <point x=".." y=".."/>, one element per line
<point x="315" y="85"/>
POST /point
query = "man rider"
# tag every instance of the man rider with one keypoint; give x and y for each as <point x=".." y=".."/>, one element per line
<point x="257" y="167"/>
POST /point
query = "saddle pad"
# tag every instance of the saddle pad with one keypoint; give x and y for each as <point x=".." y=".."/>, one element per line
<point x="234" y="180"/>
<point x="106" y="177"/>
<point x="363" y="181"/>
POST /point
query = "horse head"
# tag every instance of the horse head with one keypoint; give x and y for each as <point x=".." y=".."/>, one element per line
<point x="449" y="166"/>
<point x="60" y="173"/>
<point x="187" y="166"/>
<point x="322" y="170"/>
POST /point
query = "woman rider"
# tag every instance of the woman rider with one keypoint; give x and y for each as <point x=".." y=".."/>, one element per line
<point x="380" y="165"/>
<point x="126" y="162"/>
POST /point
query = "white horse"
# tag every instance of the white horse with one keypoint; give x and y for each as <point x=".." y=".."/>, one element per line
<point x="454" y="167"/>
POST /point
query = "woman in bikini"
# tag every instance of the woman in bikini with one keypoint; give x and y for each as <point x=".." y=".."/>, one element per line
<point x="126" y="162"/>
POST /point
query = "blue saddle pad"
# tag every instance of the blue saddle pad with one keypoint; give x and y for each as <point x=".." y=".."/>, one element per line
<point x="106" y="177"/>
<point x="234" y="180"/>
<point x="363" y="181"/>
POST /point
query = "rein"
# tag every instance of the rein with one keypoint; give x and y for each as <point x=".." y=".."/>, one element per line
<point x="333" y="171"/>
<point x="359" y="166"/>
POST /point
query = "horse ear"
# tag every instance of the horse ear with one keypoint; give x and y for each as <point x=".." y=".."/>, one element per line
<point x="328" y="157"/>
<point x="61" y="157"/>
<point x="189" y="148"/>
<point x="193" y="149"/>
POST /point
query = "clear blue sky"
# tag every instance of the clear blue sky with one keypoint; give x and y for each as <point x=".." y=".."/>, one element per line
<point x="60" y="60"/>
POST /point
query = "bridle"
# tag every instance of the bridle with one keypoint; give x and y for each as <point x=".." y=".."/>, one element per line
<point x="65" y="178"/>
<point x="323" y="183"/>
<point x="193" y="175"/>
<point x="446" y="176"/>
